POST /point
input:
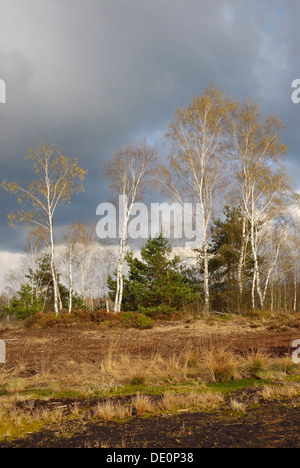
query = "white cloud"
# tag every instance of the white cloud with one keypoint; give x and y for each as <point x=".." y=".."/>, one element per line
<point x="8" y="261"/>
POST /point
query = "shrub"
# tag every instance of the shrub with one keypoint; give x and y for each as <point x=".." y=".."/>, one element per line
<point x="135" y="320"/>
<point x="46" y="320"/>
<point x="103" y="317"/>
<point x="25" y="305"/>
<point x="162" y="311"/>
<point x="143" y="321"/>
<point x="127" y="318"/>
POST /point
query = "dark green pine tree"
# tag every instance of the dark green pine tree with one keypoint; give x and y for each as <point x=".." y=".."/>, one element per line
<point x="225" y="250"/>
<point x="156" y="285"/>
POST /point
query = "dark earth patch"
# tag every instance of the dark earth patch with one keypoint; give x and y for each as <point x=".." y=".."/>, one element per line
<point x="271" y="425"/>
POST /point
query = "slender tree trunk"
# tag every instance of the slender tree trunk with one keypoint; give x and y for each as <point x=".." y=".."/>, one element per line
<point x="295" y="291"/>
<point x="53" y="269"/>
<point x="82" y="283"/>
<point x="91" y="297"/>
<point x="254" y="254"/>
<point x="126" y="211"/>
<point x="206" y="280"/>
<point x="70" y="280"/>
<point x="253" y="289"/>
<point x="205" y="259"/>
<point x="32" y="283"/>
<point x="272" y="294"/>
<point x="119" y="292"/>
<point x="242" y="262"/>
<point x="59" y="295"/>
<point x="270" y="273"/>
<point x="295" y="280"/>
<point x="285" y="294"/>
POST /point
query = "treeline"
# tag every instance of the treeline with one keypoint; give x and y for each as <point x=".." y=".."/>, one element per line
<point x="224" y="155"/>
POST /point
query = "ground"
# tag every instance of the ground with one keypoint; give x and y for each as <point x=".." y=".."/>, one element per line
<point x="55" y="379"/>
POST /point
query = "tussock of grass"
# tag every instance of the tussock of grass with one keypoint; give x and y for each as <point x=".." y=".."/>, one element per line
<point x="218" y="364"/>
<point x="143" y="404"/>
<point x="257" y="364"/>
<point x="108" y="411"/>
<point x="238" y="406"/>
<point x="205" y="401"/>
<point x="271" y="392"/>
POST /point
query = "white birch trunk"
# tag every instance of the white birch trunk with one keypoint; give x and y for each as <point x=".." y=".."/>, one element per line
<point x="295" y="290"/>
<point x="242" y="259"/>
<point x="119" y="291"/>
<point x="270" y="273"/>
<point x="70" y="280"/>
<point x="256" y="273"/>
<point x="53" y="270"/>
<point x="206" y="273"/>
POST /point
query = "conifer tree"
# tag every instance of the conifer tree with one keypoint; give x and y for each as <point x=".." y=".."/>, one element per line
<point x="157" y="285"/>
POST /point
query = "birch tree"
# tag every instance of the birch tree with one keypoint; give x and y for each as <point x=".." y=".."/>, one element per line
<point x="129" y="172"/>
<point x="257" y="147"/>
<point x="295" y="244"/>
<point x="70" y="258"/>
<point x="198" y="159"/>
<point x="57" y="178"/>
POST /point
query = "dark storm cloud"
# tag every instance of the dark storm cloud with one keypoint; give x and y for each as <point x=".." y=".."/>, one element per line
<point x="92" y="76"/>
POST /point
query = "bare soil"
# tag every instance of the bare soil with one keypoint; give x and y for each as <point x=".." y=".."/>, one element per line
<point x="87" y="343"/>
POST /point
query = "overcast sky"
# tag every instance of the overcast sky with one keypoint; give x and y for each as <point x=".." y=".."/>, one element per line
<point x="94" y="75"/>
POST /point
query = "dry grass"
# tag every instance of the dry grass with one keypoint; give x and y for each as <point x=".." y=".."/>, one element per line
<point x="16" y="419"/>
<point x="209" y="401"/>
<point x="105" y="411"/>
<point x="257" y="364"/>
<point x="238" y="406"/>
<point x="271" y="392"/>
<point x="195" y="365"/>
<point x="143" y="404"/>
<point x="110" y="410"/>
<point x="170" y="403"/>
<point x="218" y="364"/>
<point x="121" y="366"/>
<point x="205" y="401"/>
